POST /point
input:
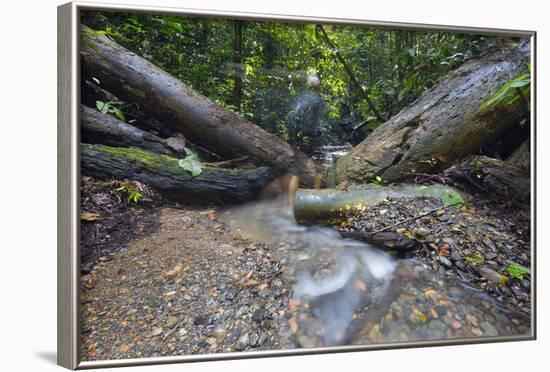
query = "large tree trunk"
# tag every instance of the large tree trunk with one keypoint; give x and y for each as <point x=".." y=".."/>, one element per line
<point x="213" y="185"/>
<point x="105" y="129"/>
<point x="494" y="177"/>
<point x="201" y="120"/>
<point x="444" y="125"/>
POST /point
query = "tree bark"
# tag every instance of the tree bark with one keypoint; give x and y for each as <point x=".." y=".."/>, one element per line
<point x="162" y="172"/>
<point x="202" y="121"/>
<point x="321" y="205"/>
<point x="494" y="177"/>
<point x="442" y="126"/>
<point x="108" y="130"/>
<point x="521" y="157"/>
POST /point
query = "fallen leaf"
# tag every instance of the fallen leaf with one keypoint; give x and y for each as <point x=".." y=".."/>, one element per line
<point x="250" y="283"/>
<point x="174" y="271"/>
<point x="89" y="217"/>
<point x="263" y="286"/>
<point x="293" y="304"/>
<point x="156" y="331"/>
<point x="124" y="348"/>
<point x="444" y="249"/>
<point x="293" y="325"/>
<point x="105" y="258"/>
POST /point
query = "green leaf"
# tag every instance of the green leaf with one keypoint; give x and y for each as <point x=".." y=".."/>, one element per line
<point x="102" y="106"/>
<point x="192" y="166"/>
<point x="517" y="270"/>
<point x="451" y="198"/>
<point x="474" y="258"/>
<point x="520" y="83"/>
<point x="119" y="114"/>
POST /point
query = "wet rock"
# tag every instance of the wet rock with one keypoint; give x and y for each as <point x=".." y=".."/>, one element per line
<point x="488" y="329"/>
<point x="392" y="240"/>
<point x="172" y="322"/>
<point x="490" y="256"/>
<point x="306" y="341"/>
<point x="493" y="278"/>
<point x="234" y="335"/>
<point x="455" y="256"/>
<point x="258" y="315"/>
<point x="422" y="232"/>
<point x="518" y="293"/>
<point x="437" y="325"/>
<point x="263" y="338"/>
<point x="244" y="339"/>
<point x="254" y="340"/>
<point x="445" y="262"/>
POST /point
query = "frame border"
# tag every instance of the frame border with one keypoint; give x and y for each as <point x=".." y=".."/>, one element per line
<point x="68" y="180"/>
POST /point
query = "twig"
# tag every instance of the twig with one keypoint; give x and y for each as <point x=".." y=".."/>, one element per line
<point x="416" y="217"/>
<point x="225" y="163"/>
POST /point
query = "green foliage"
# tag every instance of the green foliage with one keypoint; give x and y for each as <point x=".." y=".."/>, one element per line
<point x="133" y="195"/>
<point x="510" y="92"/>
<point x="450" y="197"/>
<point x="377" y="180"/>
<point x="395" y="67"/>
<point x="474" y="258"/>
<point x="517" y="270"/>
<point x="191" y="163"/>
<point x="110" y="107"/>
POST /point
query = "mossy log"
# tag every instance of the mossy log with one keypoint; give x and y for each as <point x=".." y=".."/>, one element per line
<point x="162" y="172"/>
<point x="494" y="177"/>
<point x="443" y="125"/>
<point x="97" y="127"/>
<point x="324" y="204"/>
<point x="202" y="121"/>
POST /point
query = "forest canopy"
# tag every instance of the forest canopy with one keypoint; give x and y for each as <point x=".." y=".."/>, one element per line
<point x="310" y="85"/>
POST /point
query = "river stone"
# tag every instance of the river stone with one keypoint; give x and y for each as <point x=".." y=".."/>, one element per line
<point x="437" y="325"/>
<point x="492" y="276"/>
<point x="445" y="262"/>
<point x="490" y="256"/>
<point x="422" y="232"/>
<point x="488" y="329"/>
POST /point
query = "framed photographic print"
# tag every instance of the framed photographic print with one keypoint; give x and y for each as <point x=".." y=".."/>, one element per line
<point x="240" y="185"/>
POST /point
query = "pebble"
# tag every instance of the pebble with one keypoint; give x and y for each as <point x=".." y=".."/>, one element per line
<point x="422" y="232"/>
<point x="490" y="256"/>
<point x="306" y="341"/>
<point x="518" y="293"/>
<point x="437" y="325"/>
<point x="488" y="329"/>
<point x="445" y="262"/>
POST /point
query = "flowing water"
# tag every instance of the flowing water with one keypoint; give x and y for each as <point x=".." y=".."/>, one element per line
<point x="349" y="292"/>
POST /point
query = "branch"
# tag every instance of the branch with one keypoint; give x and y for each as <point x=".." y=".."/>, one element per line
<point x="352" y="76"/>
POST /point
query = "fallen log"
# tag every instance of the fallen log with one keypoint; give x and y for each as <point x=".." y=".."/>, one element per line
<point x="202" y="121"/>
<point x="97" y="127"/>
<point x="324" y="204"/>
<point x="521" y="157"/>
<point x="444" y="125"/>
<point x="493" y="177"/>
<point x="162" y="172"/>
